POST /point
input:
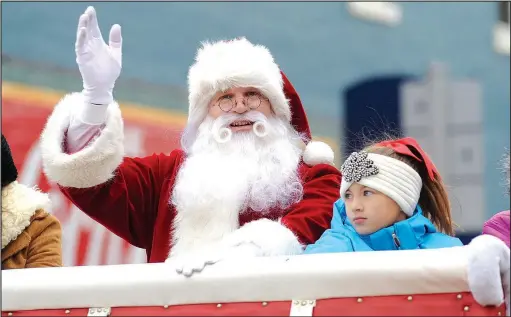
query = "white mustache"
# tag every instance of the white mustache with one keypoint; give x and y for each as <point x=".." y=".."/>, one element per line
<point x="223" y="134"/>
<point x="253" y="116"/>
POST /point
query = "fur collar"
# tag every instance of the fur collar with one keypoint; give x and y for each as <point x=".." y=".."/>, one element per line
<point x="19" y="204"/>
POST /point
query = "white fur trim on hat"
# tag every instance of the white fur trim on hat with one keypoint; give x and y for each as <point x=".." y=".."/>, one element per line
<point x="237" y="63"/>
<point x="91" y="166"/>
<point x="318" y="153"/>
<point x="396" y="179"/>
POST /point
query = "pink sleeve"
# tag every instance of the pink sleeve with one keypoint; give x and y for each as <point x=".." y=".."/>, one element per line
<point x="80" y="134"/>
<point x="499" y="226"/>
<point x="87" y="122"/>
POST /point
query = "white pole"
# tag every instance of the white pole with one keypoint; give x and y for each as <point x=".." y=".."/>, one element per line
<point x="438" y="87"/>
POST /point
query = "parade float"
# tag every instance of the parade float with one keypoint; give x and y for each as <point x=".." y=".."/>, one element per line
<point x="404" y="283"/>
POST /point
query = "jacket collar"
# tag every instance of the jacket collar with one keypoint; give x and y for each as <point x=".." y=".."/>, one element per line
<point x="403" y="235"/>
<point x="19" y="204"/>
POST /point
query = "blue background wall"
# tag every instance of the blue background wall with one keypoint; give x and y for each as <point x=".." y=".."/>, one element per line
<point x="321" y="47"/>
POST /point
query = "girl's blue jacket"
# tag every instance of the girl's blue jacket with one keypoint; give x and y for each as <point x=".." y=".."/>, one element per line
<point x="416" y="232"/>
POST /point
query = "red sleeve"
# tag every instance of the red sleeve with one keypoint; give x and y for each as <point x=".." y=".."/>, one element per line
<point x="309" y="218"/>
<point x="128" y="203"/>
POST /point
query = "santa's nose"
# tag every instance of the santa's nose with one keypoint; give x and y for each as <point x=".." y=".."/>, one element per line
<point x="239" y="105"/>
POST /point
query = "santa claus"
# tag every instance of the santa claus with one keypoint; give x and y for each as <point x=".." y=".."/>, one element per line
<point x="247" y="181"/>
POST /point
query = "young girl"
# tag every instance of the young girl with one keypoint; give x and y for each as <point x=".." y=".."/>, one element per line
<point x="392" y="198"/>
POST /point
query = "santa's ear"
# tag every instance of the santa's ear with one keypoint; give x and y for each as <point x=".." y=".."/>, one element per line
<point x="317" y="152"/>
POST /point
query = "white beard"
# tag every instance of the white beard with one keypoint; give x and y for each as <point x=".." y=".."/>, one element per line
<point x="222" y="178"/>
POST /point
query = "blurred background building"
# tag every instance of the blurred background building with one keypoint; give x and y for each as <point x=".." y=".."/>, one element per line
<point x="437" y="71"/>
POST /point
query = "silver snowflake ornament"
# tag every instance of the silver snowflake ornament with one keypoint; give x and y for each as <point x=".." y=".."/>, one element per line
<point x="358" y="166"/>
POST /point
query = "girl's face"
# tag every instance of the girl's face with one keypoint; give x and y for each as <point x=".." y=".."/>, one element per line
<point x="369" y="210"/>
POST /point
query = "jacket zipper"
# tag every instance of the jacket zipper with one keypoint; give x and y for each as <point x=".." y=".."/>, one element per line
<point x="397" y="243"/>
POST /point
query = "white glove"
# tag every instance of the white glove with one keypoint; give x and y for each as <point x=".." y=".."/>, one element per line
<point x="196" y="261"/>
<point x="100" y="64"/>
<point x="489" y="271"/>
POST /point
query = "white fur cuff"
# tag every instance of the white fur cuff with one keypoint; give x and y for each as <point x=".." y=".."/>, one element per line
<point x="90" y="166"/>
<point x="488" y="270"/>
<point x="272" y="237"/>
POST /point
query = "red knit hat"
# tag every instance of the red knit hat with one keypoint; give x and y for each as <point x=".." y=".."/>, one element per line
<point x="298" y="116"/>
<point x="238" y="63"/>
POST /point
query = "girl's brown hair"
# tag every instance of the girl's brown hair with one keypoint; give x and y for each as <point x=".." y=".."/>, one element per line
<point x="433" y="200"/>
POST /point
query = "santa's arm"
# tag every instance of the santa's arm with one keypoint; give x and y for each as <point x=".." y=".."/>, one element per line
<point x="120" y="193"/>
<point x="304" y="222"/>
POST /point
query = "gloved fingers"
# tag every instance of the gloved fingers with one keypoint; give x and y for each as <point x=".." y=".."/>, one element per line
<point x="187" y="271"/>
<point x="115" y="39"/>
<point x="94" y="30"/>
<point x="186" y="266"/>
<point x="212" y="260"/>
<point x="193" y="263"/>
<point x="81" y="34"/>
<point x="82" y="22"/>
<point x="193" y="266"/>
<point x="115" y="42"/>
<point x="81" y="39"/>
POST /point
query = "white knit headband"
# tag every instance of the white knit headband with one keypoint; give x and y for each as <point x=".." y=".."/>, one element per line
<point x="390" y="176"/>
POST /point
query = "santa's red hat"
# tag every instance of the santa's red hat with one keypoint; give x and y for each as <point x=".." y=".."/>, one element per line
<point x="238" y="63"/>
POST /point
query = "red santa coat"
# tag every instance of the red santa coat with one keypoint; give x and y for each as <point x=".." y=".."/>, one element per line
<point x="131" y="196"/>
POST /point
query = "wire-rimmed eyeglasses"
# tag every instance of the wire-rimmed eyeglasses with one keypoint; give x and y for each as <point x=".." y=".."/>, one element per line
<point x="253" y="101"/>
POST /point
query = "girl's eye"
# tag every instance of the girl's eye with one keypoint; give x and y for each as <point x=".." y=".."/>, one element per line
<point x="347" y="196"/>
<point x="252" y="93"/>
<point x="367" y="193"/>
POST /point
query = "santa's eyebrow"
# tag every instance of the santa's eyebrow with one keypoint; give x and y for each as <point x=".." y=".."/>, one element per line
<point x="226" y="94"/>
